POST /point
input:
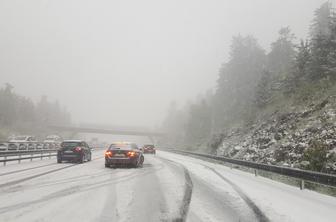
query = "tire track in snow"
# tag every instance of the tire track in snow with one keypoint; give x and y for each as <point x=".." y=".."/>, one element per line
<point x="38" y="175"/>
<point x="34" y="176"/>
<point x="79" y="188"/>
<point x="22" y="170"/>
<point x="187" y="196"/>
<point x="187" y="192"/>
<point x="32" y="168"/>
<point x="259" y="214"/>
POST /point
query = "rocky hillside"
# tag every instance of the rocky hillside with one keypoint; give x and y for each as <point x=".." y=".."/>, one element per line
<point x="301" y="136"/>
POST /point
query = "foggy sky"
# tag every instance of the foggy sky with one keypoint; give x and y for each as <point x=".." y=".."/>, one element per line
<point x="122" y="62"/>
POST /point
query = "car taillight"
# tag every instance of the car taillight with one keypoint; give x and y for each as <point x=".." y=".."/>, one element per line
<point x="108" y="153"/>
<point x="78" y="149"/>
<point x="131" y="154"/>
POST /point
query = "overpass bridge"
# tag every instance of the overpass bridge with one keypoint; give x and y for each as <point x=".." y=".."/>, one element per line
<point x="147" y="133"/>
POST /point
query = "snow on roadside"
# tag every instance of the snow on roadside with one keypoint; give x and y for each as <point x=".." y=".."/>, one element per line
<point x="280" y="202"/>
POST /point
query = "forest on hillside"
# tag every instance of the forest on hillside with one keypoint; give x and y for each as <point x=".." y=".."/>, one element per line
<point x="19" y="114"/>
<point x="254" y="85"/>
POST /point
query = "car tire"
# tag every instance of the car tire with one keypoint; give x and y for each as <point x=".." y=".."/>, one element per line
<point x="90" y="157"/>
<point x="142" y="159"/>
<point x="59" y="160"/>
<point x="107" y="165"/>
<point x="82" y="158"/>
<point x="139" y="163"/>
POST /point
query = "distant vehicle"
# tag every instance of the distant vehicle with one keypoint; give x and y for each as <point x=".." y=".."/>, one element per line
<point x="3" y="147"/>
<point x="53" y="139"/>
<point x="52" y="142"/>
<point x="22" y="139"/>
<point x="74" y="150"/>
<point x="23" y="142"/>
<point x="124" y="153"/>
<point x="149" y="149"/>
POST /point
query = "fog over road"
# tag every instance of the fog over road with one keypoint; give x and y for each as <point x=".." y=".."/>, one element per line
<point x="169" y="187"/>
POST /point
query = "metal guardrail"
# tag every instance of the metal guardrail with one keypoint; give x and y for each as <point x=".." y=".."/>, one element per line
<point x="14" y="146"/>
<point x="303" y="175"/>
<point x="25" y="155"/>
<point x="47" y="150"/>
<point x="26" y="150"/>
<point x="23" y="152"/>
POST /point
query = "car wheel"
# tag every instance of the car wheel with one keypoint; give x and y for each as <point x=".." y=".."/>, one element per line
<point x="82" y="158"/>
<point x="90" y="157"/>
<point x="59" y="160"/>
<point x="141" y="161"/>
<point x="107" y="165"/>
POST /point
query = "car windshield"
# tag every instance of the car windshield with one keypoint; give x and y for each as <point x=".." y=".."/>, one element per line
<point x="122" y="146"/>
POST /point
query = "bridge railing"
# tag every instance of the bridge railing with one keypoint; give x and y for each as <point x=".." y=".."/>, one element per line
<point x="303" y="175"/>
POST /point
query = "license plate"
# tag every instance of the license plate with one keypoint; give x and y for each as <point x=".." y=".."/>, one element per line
<point x="68" y="151"/>
<point x="119" y="155"/>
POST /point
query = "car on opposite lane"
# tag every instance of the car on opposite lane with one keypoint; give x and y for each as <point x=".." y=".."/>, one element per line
<point x="23" y="142"/>
<point x="149" y="148"/>
<point x="22" y="139"/>
<point x="124" y="153"/>
<point x="53" y="139"/>
<point x="74" y="150"/>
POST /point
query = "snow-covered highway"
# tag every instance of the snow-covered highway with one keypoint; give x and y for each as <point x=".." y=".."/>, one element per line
<point x="169" y="187"/>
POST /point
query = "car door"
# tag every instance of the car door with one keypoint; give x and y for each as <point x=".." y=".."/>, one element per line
<point x="83" y="146"/>
<point x="87" y="150"/>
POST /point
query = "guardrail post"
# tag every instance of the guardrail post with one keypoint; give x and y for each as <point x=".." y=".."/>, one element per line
<point x="302" y="185"/>
<point x="4" y="163"/>
<point x="41" y="155"/>
<point x="31" y="157"/>
<point x="231" y="166"/>
<point x="255" y="172"/>
<point x="19" y="158"/>
<point x="49" y="155"/>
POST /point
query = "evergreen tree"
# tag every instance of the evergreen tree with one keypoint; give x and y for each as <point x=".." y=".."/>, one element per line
<point x="300" y="68"/>
<point x="323" y="46"/>
<point x="282" y="53"/>
<point x="263" y="92"/>
<point x="7" y="106"/>
<point x="238" y="80"/>
<point x="18" y="112"/>
<point x="198" y="127"/>
<point x="322" y="20"/>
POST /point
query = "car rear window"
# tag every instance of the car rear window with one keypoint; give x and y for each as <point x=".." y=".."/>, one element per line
<point x="70" y="144"/>
<point x="122" y="146"/>
<point x="149" y="146"/>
